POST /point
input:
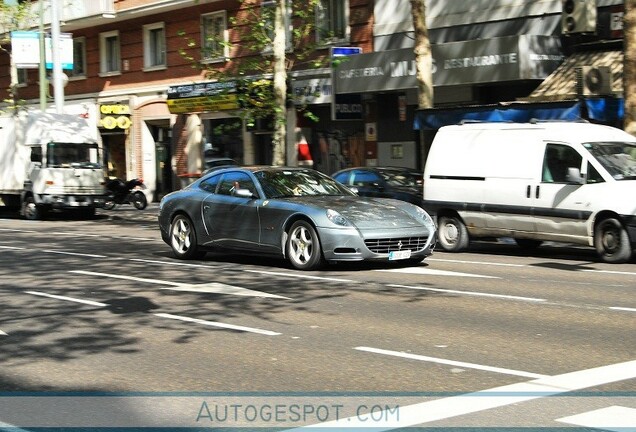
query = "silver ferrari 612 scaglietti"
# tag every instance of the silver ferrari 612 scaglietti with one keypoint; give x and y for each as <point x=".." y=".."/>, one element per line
<point x="295" y="213"/>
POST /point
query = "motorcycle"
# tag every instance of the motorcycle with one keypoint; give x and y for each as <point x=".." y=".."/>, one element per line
<point x="125" y="192"/>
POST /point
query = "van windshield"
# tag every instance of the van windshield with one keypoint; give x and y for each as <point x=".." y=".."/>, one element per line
<point x="73" y="155"/>
<point x="618" y="158"/>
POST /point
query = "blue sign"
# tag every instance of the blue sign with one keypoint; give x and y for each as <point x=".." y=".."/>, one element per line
<point x="345" y="51"/>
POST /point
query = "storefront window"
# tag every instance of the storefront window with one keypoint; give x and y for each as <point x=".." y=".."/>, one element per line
<point x="223" y="138"/>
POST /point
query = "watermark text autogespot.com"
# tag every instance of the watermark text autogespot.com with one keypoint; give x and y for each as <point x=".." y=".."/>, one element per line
<point x="303" y="413"/>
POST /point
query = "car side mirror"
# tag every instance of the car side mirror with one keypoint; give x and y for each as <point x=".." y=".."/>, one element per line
<point x="574" y="176"/>
<point x="243" y="193"/>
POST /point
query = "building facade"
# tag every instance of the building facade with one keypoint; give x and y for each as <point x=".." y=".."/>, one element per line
<point x="138" y="73"/>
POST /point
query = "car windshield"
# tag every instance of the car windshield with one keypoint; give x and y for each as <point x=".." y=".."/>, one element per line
<point x="291" y="183"/>
<point x="73" y="155"/>
<point x="399" y="178"/>
<point x="618" y="158"/>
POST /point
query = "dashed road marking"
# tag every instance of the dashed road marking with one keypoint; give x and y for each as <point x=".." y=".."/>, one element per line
<point x="65" y="298"/>
<point x="210" y="287"/>
<point x="433" y="272"/>
<point x="73" y="253"/>
<point x="450" y="362"/>
<point x="218" y="324"/>
<point x="471" y="293"/>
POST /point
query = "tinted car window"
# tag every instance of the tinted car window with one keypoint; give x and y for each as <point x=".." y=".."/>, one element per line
<point x="210" y="184"/>
<point x="365" y="178"/>
<point x="342" y="177"/>
<point x="235" y="180"/>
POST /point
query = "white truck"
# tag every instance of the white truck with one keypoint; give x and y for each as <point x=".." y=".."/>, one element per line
<point x="50" y="161"/>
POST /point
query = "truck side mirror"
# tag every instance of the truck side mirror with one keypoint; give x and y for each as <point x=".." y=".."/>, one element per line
<point x="574" y="176"/>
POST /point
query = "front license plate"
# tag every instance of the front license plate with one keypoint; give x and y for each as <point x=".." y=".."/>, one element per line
<point x="399" y="255"/>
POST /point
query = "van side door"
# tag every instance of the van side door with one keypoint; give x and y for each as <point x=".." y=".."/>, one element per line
<point x="560" y="208"/>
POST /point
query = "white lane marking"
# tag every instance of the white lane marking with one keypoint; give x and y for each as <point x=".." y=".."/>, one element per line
<point x="218" y="324"/>
<point x="3" y="333"/>
<point x="471" y="293"/>
<point x="450" y="362"/>
<point x="17" y="230"/>
<point x="614" y="418"/>
<point x="75" y="234"/>
<point x="433" y="272"/>
<point x="302" y="276"/>
<point x="292" y="275"/>
<point x="611" y="272"/>
<point x="71" y="299"/>
<point x="623" y="309"/>
<point x="73" y="253"/>
<point x="440" y="409"/>
<point x="476" y="262"/>
<point x="210" y="287"/>
<point x="12" y="247"/>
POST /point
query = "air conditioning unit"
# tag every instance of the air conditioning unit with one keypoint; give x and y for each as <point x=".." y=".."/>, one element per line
<point x="593" y="81"/>
<point x="578" y="16"/>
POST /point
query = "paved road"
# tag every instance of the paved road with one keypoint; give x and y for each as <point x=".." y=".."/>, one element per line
<point x="478" y="339"/>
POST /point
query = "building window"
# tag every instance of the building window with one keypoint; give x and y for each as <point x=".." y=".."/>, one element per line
<point x="154" y="46"/>
<point x="268" y="10"/>
<point x="79" y="59"/>
<point x="332" y="17"/>
<point x="214" y="34"/>
<point x="22" y="77"/>
<point x="110" y="60"/>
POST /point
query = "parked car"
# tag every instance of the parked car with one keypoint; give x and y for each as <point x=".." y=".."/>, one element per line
<point x="214" y="163"/>
<point x="385" y="182"/>
<point x="295" y="213"/>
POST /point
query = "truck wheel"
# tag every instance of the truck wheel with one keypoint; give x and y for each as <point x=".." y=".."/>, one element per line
<point x="452" y="234"/>
<point x="31" y="210"/>
<point x="612" y="241"/>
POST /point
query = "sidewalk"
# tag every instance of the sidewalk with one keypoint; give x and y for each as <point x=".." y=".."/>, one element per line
<point x="128" y="212"/>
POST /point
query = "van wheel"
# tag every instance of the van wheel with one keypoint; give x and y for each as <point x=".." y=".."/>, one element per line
<point x="31" y="210"/>
<point x="528" y="243"/>
<point x="452" y="234"/>
<point x="612" y="241"/>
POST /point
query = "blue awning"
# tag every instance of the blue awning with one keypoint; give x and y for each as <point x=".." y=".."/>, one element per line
<point x="606" y="110"/>
<point x="519" y="113"/>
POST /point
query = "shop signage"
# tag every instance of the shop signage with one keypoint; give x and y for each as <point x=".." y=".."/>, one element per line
<point x="345" y="106"/>
<point x="114" y="116"/>
<point x="312" y="91"/>
<point x="457" y="63"/>
<point x="200" y="97"/>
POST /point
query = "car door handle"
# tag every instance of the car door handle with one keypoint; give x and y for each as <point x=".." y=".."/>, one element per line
<point x="528" y="190"/>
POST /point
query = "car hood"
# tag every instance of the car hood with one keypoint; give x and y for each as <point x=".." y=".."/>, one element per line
<point x="365" y="212"/>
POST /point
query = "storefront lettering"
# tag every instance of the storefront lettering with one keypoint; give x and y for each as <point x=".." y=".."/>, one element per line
<point x="363" y="72"/>
<point x="114" y="109"/>
<point x="403" y="68"/>
<point x="349" y="108"/>
<point x="480" y="61"/>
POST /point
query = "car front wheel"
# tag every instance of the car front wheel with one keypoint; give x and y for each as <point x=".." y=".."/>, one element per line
<point x="183" y="238"/>
<point x="612" y="241"/>
<point x="303" y="247"/>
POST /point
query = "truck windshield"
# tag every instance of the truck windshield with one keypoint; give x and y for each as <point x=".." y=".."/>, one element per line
<point x="618" y="158"/>
<point x="73" y="155"/>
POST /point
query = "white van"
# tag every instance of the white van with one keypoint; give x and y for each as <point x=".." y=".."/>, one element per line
<point x="569" y="182"/>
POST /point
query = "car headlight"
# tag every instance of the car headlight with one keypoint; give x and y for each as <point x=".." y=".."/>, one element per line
<point x="337" y="218"/>
<point x="425" y="217"/>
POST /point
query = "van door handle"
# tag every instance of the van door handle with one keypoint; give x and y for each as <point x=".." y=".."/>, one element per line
<point x="537" y="192"/>
<point x="528" y="191"/>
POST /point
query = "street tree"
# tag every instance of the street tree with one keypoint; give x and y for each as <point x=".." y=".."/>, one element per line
<point x="423" y="62"/>
<point x="271" y="38"/>
<point x="629" y="66"/>
<point x="13" y="16"/>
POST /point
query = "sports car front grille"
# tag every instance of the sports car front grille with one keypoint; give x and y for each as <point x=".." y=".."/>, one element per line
<point x="387" y="245"/>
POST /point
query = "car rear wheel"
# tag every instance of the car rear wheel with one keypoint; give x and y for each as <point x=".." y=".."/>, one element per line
<point x="452" y="234"/>
<point x="612" y="241"/>
<point x="303" y="247"/>
<point x="183" y="238"/>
